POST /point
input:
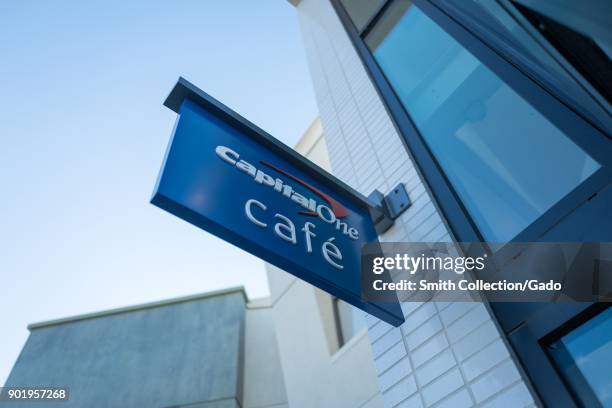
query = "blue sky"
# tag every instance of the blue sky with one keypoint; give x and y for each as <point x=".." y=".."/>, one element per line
<point x="83" y="132"/>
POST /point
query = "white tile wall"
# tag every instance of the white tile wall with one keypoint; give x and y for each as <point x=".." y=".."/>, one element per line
<point x="446" y="354"/>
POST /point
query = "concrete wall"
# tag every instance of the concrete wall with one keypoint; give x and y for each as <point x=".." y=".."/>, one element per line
<point x="203" y="351"/>
<point x="168" y="354"/>
<point x="316" y="372"/>
<point x="446" y="354"/>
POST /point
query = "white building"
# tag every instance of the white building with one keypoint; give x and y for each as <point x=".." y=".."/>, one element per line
<point x="469" y="105"/>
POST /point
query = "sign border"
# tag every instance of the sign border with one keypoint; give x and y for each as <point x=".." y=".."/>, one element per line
<point x="186" y="90"/>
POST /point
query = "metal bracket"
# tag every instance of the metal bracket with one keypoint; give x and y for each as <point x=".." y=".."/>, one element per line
<point x="390" y="206"/>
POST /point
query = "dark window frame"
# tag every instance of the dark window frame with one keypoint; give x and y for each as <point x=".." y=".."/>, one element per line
<point x="526" y="331"/>
<point x="566" y="328"/>
<point x="574" y="126"/>
<point x="531" y="339"/>
<point x="538" y="74"/>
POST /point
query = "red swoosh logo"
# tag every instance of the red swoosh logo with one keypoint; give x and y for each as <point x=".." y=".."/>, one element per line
<point x="338" y="209"/>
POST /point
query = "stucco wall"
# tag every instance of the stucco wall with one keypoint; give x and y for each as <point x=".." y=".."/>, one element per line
<point x="316" y="373"/>
<point x="446" y="354"/>
<point x="263" y="385"/>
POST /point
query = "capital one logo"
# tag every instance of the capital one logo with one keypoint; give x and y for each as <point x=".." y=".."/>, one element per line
<point x="330" y="212"/>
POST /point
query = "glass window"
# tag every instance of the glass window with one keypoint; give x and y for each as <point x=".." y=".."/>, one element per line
<point x="507" y="162"/>
<point x="341" y="321"/>
<point x="590" y="56"/>
<point x="362" y="11"/>
<point x="584" y="357"/>
<point x="349" y="321"/>
<point x="527" y="42"/>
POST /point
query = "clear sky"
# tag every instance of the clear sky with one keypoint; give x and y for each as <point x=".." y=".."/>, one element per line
<point x="83" y="132"/>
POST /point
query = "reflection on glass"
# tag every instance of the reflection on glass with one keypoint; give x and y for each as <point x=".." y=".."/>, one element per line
<point x="506" y="22"/>
<point x="584" y="357"/>
<point x="507" y="163"/>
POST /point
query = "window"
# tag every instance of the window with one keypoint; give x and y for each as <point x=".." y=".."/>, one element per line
<point x="341" y="321"/>
<point x="507" y="163"/>
<point x="583" y="358"/>
<point x="569" y="64"/>
<point x="590" y="56"/>
<point x="349" y="321"/>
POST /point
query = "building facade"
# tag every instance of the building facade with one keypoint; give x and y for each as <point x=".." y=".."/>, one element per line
<point x="214" y="350"/>
<point x="300" y="347"/>
<point x="496" y="117"/>
<point x="323" y="342"/>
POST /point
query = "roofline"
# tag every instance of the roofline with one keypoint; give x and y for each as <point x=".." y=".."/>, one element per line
<point x="143" y="306"/>
<point x="304" y="145"/>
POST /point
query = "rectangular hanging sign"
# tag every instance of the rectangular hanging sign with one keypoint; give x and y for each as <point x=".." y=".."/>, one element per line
<point x="230" y="178"/>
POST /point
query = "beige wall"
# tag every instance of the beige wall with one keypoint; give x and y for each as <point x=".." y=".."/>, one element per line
<point x="262" y="385"/>
<point x="317" y="373"/>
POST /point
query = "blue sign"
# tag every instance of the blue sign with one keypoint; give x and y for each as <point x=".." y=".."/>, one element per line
<point x="226" y="176"/>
